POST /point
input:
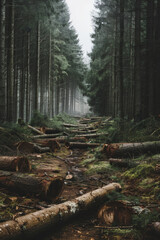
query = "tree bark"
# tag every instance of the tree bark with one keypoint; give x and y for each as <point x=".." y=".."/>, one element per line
<point x="93" y="135"/>
<point x="14" y="163"/>
<point x="118" y="162"/>
<point x="2" y="60"/>
<point x="27" y="148"/>
<point x="35" y="130"/>
<point x="45" y="187"/>
<point x="34" y="223"/>
<point x="82" y="145"/>
<point x="37" y="85"/>
<point x="10" y="60"/>
<point x="121" y="46"/>
<point x="130" y="149"/>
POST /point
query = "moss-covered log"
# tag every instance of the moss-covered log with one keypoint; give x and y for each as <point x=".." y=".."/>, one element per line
<point x="43" y="186"/>
<point x="131" y="149"/>
<point x="15" y="163"/>
<point x="34" y="223"/>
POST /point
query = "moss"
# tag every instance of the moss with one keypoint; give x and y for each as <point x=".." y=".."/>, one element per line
<point x="122" y="234"/>
<point x="141" y="171"/>
<point x="87" y="161"/>
<point x="100" y="167"/>
<point x="147" y="183"/>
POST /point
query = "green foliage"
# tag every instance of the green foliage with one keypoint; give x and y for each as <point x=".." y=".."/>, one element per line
<point x="100" y="167"/>
<point x="140" y="221"/>
<point x="12" y="133"/>
<point x="141" y="171"/>
<point x="40" y="120"/>
<point x="65" y="118"/>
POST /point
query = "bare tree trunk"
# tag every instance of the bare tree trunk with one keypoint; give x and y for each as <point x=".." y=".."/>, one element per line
<point x="121" y="45"/>
<point x="28" y="78"/>
<point x="49" y="75"/>
<point x="2" y="60"/>
<point x="37" y="85"/>
<point x="10" y="60"/>
<point x="137" y="62"/>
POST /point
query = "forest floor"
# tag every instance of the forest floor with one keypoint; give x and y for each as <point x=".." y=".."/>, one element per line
<point x="85" y="170"/>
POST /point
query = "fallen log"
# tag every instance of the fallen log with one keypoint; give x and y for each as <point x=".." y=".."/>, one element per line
<point x="74" y="125"/>
<point x="52" y="144"/>
<point x="46" y="130"/>
<point x="60" y="140"/>
<point x="35" y="130"/>
<point x="116" y="150"/>
<point x="83" y="131"/>
<point x="47" y="135"/>
<point x="119" y="162"/>
<point x="117" y="213"/>
<point x="34" y="223"/>
<point x="81" y="145"/>
<point x="15" y="163"/>
<point x="45" y="187"/>
<point x="28" y="147"/>
<point x="92" y="135"/>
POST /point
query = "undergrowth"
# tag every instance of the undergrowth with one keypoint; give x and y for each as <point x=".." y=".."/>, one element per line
<point x="12" y="133"/>
<point x="40" y="120"/>
<point x="145" y="130"/>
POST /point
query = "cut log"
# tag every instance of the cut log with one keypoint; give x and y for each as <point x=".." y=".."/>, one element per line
<point x="15" y="163"/>
<point x="28" y="147"/>
<point x="74" y="125"/>
<point x="83" y="131"/>
<point x="48" y="135"/>
<point x="118" y="162"/>
<point x="46" y="130"/>
<point x="45" y="187"/>
<point x="52" y="144"/>
<point x="33" y="223"/>
<point x="35" y="130"/>
<point x="82" y="145"/>
<point x="117" y="213"/>
<point x="93" y="135"/>
<point x="131" y="149"/>
<point x="60" y="140"/>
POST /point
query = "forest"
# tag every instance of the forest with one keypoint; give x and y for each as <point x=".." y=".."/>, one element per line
<point x="79" y="141"/>
<point x="41" y="64"/>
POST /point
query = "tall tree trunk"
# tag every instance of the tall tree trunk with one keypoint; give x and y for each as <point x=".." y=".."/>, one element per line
<point x="37" y="85"/>
<point x="149" y="83"/>
<point x="137" y="62"/>
<point x="121" y="45"/>
<point x="157" y="59"/>
<point x="22" y="80"/>
<point x="2" y="60"/>
<point x="10" y="60"/>
<point x="49" y="75"/>
<point x="28" y="77"/>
